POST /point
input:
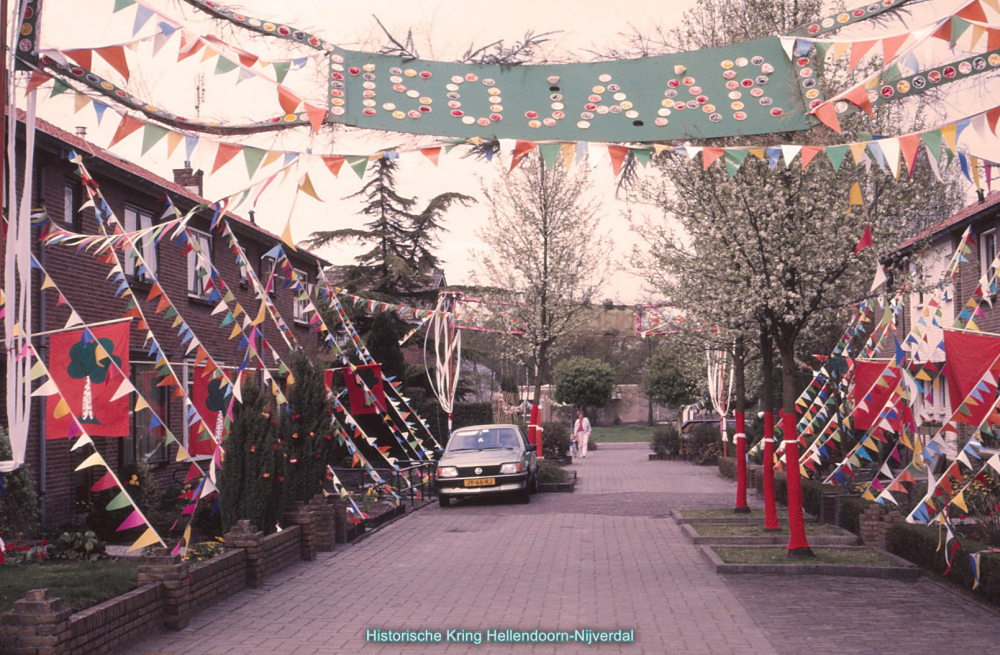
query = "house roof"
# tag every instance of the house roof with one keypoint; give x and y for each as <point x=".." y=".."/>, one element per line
<point x="77" y="143"/>
<point x="955" y="222"/>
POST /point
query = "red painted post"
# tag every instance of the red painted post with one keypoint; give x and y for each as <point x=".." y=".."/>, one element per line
<point x="797" y="544"/>
<point x="770" y="511"/>
<point x="741" y="465"/>
<point x="535" y="430"/>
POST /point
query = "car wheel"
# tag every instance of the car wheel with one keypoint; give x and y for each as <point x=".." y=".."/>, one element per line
<point x="444" y="501"/>
<point x="534" y="484"/>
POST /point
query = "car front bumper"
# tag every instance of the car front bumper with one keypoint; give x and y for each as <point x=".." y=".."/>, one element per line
<point x="504" y="483"/>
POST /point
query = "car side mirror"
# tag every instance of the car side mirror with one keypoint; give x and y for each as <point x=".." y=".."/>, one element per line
<point x="438" y="452"/>
<point x="532" y="448"/>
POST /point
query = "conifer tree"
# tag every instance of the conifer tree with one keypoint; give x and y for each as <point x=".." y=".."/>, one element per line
<point x="306" y="440"/>
<point x="249" y="483"/>
<point x="383" y="344"/>
<point x="401" y="236"/>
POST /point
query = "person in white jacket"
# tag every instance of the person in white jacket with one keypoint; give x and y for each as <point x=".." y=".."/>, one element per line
<point x="581" y="433"/>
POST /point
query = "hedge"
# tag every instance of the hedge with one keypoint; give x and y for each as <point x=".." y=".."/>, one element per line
<point x="918" y="544"/>
<point x="851" y="509"/>
<point x="727" y="467"/>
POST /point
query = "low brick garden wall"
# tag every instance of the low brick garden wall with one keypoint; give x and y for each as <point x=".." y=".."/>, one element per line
<point x="170" y="590"/>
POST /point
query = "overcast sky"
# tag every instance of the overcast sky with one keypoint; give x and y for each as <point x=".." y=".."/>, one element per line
<point x="443" y="28"/>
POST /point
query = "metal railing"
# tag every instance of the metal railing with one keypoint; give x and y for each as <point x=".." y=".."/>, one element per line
<point x="413" y="482"/>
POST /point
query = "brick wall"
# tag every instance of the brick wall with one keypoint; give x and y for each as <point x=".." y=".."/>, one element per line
<point x="113" y="624"/>
<point x="169" y="595"/>
<point x="281" y="549"/>
<point x="219" y="577"/>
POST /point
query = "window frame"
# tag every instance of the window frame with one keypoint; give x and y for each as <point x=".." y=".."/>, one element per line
<point x="71" y="205"/>
<point x="159" y="454"/>
<point x="134" y="218"/>
<point x="196" y="285"/>
<point x="299" y="307"/>
<point x="988" y="238"/>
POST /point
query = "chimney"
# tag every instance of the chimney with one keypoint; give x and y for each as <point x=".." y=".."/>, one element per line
<point x="81" y="131"/>
<point x="252" y="215"/>
<point x="190" y="180"/>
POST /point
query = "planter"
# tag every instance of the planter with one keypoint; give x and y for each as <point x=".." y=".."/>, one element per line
<point x="566" y="487"/>
<point x="840" y="538"/>
<point x="902" y="570"/>
<point x="757" y="516"/>
<point x="708" y="461"/>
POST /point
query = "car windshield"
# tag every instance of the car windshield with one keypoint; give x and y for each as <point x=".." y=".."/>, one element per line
<point x="483" y="439"/>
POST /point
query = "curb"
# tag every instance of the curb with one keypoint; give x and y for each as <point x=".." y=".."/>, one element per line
<point x="846" y="538"/>
<point x="735" y="519"/>
<point x="906" y="570"/>
<point x="555" y="487"/>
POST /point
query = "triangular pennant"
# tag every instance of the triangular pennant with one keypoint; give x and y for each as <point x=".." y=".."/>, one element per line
<point x="316" y="116"/>
<point x="148" y="538"/>
<point x="115" y="56"/>
<point x="127" y="126"/>
<point x="225" y="154"/>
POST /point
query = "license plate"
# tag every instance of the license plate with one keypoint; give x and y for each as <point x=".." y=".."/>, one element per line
<point x="481" y="482"/>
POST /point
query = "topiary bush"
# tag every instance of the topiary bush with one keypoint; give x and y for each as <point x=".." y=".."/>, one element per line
<point x="20" y="511"/>
<point x="665" y="440"/>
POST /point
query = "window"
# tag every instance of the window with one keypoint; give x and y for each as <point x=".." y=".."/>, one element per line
<point x="244" y="273"/>
<point x="136" y="220"/>
<point x="266" y="268"/>
<point x="300" y="306"/>
<point x="987" y="251"/>
<point x="199" y="264"/>
<point x="148" y="438"/>
<point x="70" y="207"/>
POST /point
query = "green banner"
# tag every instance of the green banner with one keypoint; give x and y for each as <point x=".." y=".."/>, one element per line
<point x="748" y="88"/>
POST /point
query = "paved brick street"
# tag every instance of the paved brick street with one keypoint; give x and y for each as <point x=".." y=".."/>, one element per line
<point x="606" y="557"/>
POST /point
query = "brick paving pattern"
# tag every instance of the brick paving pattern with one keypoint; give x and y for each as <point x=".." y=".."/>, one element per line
<point x="606" y="557"/>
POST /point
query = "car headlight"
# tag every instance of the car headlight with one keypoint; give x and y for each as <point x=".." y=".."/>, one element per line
<point x="513" y="467"/>
<point x="447" y="472"/>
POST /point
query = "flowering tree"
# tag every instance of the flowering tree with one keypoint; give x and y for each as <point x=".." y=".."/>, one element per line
<point x="772" y="247"/>
<point x="546" y="257"/>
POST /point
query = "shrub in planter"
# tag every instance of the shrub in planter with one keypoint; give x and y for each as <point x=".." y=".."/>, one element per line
<point x="665" y="441"/>
<point x="555" y="440"/>
<point x="20" y="512"/>
<point x="549" y="471"/>
<point x="700" y="436"/>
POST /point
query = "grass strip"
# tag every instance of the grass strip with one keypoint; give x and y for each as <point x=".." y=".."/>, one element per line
<point x="79" y="584"/>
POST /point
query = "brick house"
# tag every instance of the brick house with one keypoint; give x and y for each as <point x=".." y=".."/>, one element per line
<point x="934" y="248"/>
<point x="135" y="195"/>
